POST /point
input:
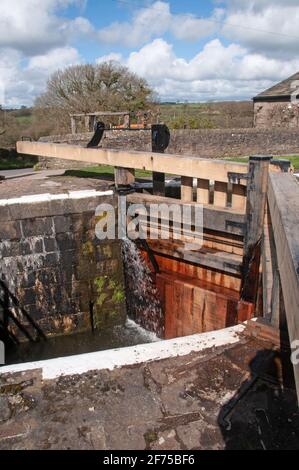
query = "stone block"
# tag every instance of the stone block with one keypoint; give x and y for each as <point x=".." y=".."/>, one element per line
<point x="10" y="230"/>
<point x="50" y="244"/>
<point x="37" y="226"/>
<point x="63" y="224"/>
<point x="65" y="241"/>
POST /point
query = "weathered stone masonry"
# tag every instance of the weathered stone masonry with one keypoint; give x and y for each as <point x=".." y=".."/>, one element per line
<point x="206" y="143"/>
<point x="52" y="261"/>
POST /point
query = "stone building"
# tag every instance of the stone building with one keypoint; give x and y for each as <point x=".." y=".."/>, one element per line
<point x="279" y="105"/>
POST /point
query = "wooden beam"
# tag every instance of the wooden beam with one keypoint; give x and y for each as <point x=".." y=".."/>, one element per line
<point x="101" y="113"/>
<point x="162" y="163"/>
<point x="218" y="219"/>
<point x="255" y="213"/>
<point x="211" y="259"/>
<point x="283" y="199"/>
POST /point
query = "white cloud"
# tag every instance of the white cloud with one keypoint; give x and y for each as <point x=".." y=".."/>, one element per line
<point x="216" y="72"/>
<point x="54" y="60"/>
<point x="32" y="26"/>
<point x="268" y="26"/>
<point x="35" y="40"/>
<point x="156" y="20"/>
<point x="264" y="26"/>
<point x="146" y="23"/>
<point x="113" y="56"/>
<point x="22" y="83"/>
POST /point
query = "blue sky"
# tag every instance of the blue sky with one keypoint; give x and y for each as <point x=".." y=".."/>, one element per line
<point x="188" y="50"/>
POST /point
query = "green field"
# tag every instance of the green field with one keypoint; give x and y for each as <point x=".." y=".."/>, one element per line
<point x="207" y="115"/>
<point x="24" y="120"/>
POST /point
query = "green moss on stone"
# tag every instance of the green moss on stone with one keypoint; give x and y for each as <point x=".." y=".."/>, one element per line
<point x="88" y="248"/>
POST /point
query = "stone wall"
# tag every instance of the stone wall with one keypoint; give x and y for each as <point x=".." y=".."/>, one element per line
<point x="51" y="260"/>
<point x="270" y="114"/>
<point x="206" y="143"/>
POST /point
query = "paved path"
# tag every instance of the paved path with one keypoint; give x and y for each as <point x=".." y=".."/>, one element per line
<point x="30" y="173"/>
<point x="16" y="173"/>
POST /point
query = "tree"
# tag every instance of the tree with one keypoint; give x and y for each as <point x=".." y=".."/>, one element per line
<point x="108" y="86"/>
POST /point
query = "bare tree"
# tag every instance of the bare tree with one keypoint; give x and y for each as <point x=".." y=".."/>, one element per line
<point x="87" y="88"/>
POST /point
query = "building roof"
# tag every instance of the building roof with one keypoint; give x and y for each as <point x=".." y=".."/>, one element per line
<point x="281" y="90"/>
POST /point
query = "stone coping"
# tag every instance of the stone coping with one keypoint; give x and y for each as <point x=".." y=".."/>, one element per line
<point x="116" y="358"/>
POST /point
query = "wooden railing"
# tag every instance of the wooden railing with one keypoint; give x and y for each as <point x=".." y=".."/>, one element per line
<point x="233" y="195"/>
<point x="281" y="258"/>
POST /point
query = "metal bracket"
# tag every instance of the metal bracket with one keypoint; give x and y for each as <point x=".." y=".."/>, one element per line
<point x="98" y="134"/>
<point x="235" y="178"/>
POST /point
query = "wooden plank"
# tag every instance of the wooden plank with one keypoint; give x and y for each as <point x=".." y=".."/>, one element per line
<point x="220" y="194"/>
<point x="180" y="267"/>
<point x="255" y="213"/>
<point x="219" y="219"/>
<point x="212" y="259"/>
<point x="239" y="194"/>
<point x="267" y="269"/>
<point x="203" y="191"/>
<point x="162" y="163"/>
<point x="162" y="229"/>
<point x="283" y="199"/>
<point x="187" y="189"/>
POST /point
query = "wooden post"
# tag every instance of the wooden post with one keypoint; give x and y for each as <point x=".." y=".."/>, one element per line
<point x="158" y="178"/>
<point x="255" y="213"/>
<point x="220" y="194"/>
<point x="127" y="121"/>
<point x="124" y="176"/>
<point x="158" y="183"/>
<point x="203" y="191"/>
<point x="87" y="123"/>
<point x="187" y="189"/>
<point x="92" y="123"/>
<point x="73" y="125"/>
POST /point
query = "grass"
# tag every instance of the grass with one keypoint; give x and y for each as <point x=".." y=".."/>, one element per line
<point x="294" y="159"/>
<point x="16" y="164"/>
<point x="101" y="171"/>
<point x="24" y="120"/>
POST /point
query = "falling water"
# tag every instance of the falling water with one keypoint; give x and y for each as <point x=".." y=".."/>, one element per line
<point x="143" y="301"/>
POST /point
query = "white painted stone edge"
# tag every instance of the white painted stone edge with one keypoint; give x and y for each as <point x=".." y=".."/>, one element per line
<point x="47" y="197"/>
<point x="115" y="358"/>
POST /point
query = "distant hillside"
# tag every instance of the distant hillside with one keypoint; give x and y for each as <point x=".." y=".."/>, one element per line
<point x="229" y="114"/>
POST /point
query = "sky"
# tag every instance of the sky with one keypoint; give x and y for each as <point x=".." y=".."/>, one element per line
<point x="188" y="50"/>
